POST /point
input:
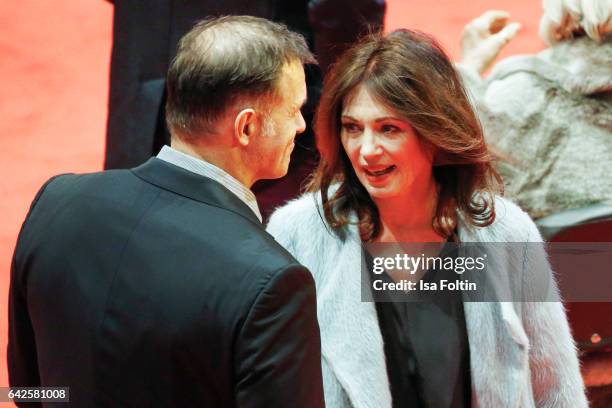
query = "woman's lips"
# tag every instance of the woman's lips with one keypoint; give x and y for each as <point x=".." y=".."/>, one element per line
<point x="378" y="171"/>
<point x="379" y="175"/>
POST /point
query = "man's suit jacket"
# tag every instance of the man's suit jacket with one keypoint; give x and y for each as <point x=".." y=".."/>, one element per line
<point x="158" y="287"/>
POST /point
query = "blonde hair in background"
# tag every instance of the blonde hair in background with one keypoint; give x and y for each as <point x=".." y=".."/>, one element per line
<point x="564" y="19"/>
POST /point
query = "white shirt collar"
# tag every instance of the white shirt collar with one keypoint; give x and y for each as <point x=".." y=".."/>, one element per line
<point x="206" y="169"/>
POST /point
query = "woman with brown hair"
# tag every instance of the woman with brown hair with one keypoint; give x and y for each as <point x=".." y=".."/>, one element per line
<point x="403" y="160"/>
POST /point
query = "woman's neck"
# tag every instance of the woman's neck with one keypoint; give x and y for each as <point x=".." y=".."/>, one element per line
<point x="409" y="218"/>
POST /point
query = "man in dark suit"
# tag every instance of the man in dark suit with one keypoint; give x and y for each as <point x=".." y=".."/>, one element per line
<point x="158" y="286"/>
<point x="145" y="36"/>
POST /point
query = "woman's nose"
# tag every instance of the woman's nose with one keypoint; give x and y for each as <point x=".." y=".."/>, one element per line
<point x="369" y="145"/>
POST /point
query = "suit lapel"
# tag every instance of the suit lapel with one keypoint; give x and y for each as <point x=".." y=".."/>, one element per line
<point x="203" y="189"/>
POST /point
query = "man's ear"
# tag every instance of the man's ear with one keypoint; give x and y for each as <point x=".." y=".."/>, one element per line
<point x="245" y="126"/>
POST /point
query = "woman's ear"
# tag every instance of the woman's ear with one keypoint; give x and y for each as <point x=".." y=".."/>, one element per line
<point x="245" y="126"/>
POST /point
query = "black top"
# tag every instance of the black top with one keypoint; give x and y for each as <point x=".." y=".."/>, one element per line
<point x="426" y="347"/>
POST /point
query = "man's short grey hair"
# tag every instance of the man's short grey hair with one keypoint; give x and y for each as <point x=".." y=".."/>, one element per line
<point x="564" y="19"/>
<point x="223" y="60"/>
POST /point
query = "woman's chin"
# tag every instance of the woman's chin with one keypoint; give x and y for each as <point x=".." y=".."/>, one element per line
<point x="384" y="187"/>
<point x="382" y="192"/>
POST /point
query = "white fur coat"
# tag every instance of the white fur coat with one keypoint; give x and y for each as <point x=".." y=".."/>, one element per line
<point x="522" y="354"/>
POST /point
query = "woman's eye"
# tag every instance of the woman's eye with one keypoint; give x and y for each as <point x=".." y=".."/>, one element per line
<point x="350" y="128"/>
<point x="389" y="129"/>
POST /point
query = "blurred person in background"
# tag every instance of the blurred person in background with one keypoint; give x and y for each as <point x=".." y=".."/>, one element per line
<point x="145" y="36"/>
<point x="549" y="114"/>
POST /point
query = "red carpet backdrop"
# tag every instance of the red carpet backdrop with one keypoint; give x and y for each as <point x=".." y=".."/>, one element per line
<point x="54" y="70"/>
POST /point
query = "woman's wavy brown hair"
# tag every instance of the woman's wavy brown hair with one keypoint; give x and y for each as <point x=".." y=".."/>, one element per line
<point x="410" y="73"/>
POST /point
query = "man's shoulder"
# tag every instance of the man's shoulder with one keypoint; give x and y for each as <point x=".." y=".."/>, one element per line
<point x="95" y="181"/>
<point x="253" y="248"/>
<point x="119" y="206"/>
<point x="72" y="188"/>
<point x="239" y="255"/>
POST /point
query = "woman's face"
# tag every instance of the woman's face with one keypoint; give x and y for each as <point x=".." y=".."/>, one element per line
<point x="383" y="148"/>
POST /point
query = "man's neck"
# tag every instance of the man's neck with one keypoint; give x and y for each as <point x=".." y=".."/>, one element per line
<point x="219" y="157"/>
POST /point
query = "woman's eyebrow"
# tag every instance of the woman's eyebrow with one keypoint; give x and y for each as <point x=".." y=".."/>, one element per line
<point x="389" y="118"/>
<point x="377" y="119"/>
